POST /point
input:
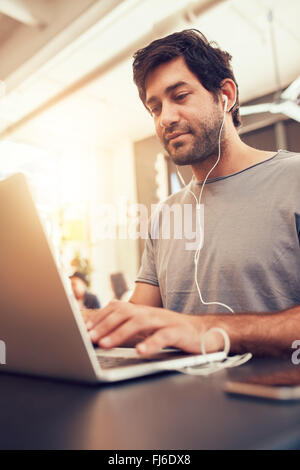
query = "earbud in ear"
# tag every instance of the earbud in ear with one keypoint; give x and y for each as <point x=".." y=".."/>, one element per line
<point x="225" y="99"/>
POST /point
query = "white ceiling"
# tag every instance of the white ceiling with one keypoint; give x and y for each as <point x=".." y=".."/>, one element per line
<point x="95" y="64"/>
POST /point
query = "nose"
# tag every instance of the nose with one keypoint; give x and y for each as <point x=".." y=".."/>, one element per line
<point x="168" y="116"/>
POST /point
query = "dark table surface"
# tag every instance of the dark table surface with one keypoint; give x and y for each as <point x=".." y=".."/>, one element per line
<point x="168" y="411"/>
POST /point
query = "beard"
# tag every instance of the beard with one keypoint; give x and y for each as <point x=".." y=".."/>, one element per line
<point x="204" y="142"/>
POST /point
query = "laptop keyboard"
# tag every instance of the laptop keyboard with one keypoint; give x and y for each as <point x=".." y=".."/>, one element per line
<point x="108" y="362"/>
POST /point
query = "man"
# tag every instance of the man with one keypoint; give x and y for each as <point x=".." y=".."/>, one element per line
<point x="84" y="298"/>
<point x="250" y="260"/>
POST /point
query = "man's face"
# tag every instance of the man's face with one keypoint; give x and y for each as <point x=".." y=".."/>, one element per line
<point x="187" y="117"/>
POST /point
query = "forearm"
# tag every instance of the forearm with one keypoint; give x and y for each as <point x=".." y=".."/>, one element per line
<point x="262" y="334"/>
<point x="146" y="295"/>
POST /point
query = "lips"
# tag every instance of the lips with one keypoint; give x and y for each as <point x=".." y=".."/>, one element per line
<point x="174" y="135"/>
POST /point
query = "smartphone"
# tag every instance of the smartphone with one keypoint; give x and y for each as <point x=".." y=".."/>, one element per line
<point x="279" y="385"/>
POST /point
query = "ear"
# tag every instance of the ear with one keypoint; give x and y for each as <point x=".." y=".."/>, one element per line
<point x="228" y="88"/>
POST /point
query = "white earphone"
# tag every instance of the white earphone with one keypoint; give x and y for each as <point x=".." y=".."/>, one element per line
<point x="225" y="99"/>
<point x="237" y="360"/>
<point x="198" y="205"/>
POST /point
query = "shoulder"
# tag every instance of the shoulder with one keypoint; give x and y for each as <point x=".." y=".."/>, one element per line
<point x="285" y="168"/>
<point x="287" y="159"/>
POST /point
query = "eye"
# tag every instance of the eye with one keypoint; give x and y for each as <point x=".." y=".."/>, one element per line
<point x="181" y="96"/>
<point x="155" y="111"/>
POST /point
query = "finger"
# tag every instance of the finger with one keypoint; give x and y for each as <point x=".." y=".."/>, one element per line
<point x="101" y="314"/>
<point x="162" y="338"/>
<point x="107" y="325"/>
<point x="128" y="330"/>
<point x="178" y="336"/>
<point x="88" y="314"/>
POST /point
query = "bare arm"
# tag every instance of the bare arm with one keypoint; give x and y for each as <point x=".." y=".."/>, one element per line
<point x="146" y="294"/>
<point x="262" y="334"/>
<point x="269" y="334"/>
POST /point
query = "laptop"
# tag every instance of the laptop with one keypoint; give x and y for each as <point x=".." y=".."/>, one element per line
<point x="40" y="322"/>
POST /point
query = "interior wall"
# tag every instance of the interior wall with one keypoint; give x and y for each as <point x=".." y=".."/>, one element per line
<point x="114" y="196"/>
<point x="126" y="246"/>
<point x="292" y="129"/>
<point x="262" y="139"/>
<point x="102" y="251"/>
<point x="267" y="138"/>
<point x="145" y="154"/>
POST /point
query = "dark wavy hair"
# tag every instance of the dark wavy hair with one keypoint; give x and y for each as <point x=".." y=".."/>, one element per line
<point x="205" y="59"/>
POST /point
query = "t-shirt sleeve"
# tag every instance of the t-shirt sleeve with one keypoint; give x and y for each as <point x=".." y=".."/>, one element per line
<point x="147" y="272"/>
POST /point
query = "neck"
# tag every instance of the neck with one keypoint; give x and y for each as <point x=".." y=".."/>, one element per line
<point x="235" y="156"/>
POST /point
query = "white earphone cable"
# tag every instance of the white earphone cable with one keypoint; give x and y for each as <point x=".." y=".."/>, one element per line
<point x="236" y="360"/>
<point x="198" y="203"/>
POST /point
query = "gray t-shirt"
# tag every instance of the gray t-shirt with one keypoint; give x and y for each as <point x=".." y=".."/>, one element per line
<point x="250" y="258"/>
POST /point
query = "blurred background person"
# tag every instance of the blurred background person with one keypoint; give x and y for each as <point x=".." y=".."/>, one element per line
<point x="84" y="298"/>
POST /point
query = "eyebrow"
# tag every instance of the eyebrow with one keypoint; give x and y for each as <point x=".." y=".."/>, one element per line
<point x="168" y="90"/>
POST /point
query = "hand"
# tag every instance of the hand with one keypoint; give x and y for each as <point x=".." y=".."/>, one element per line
<point x="118" y="322"/>
<point x="88" y="314"/>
